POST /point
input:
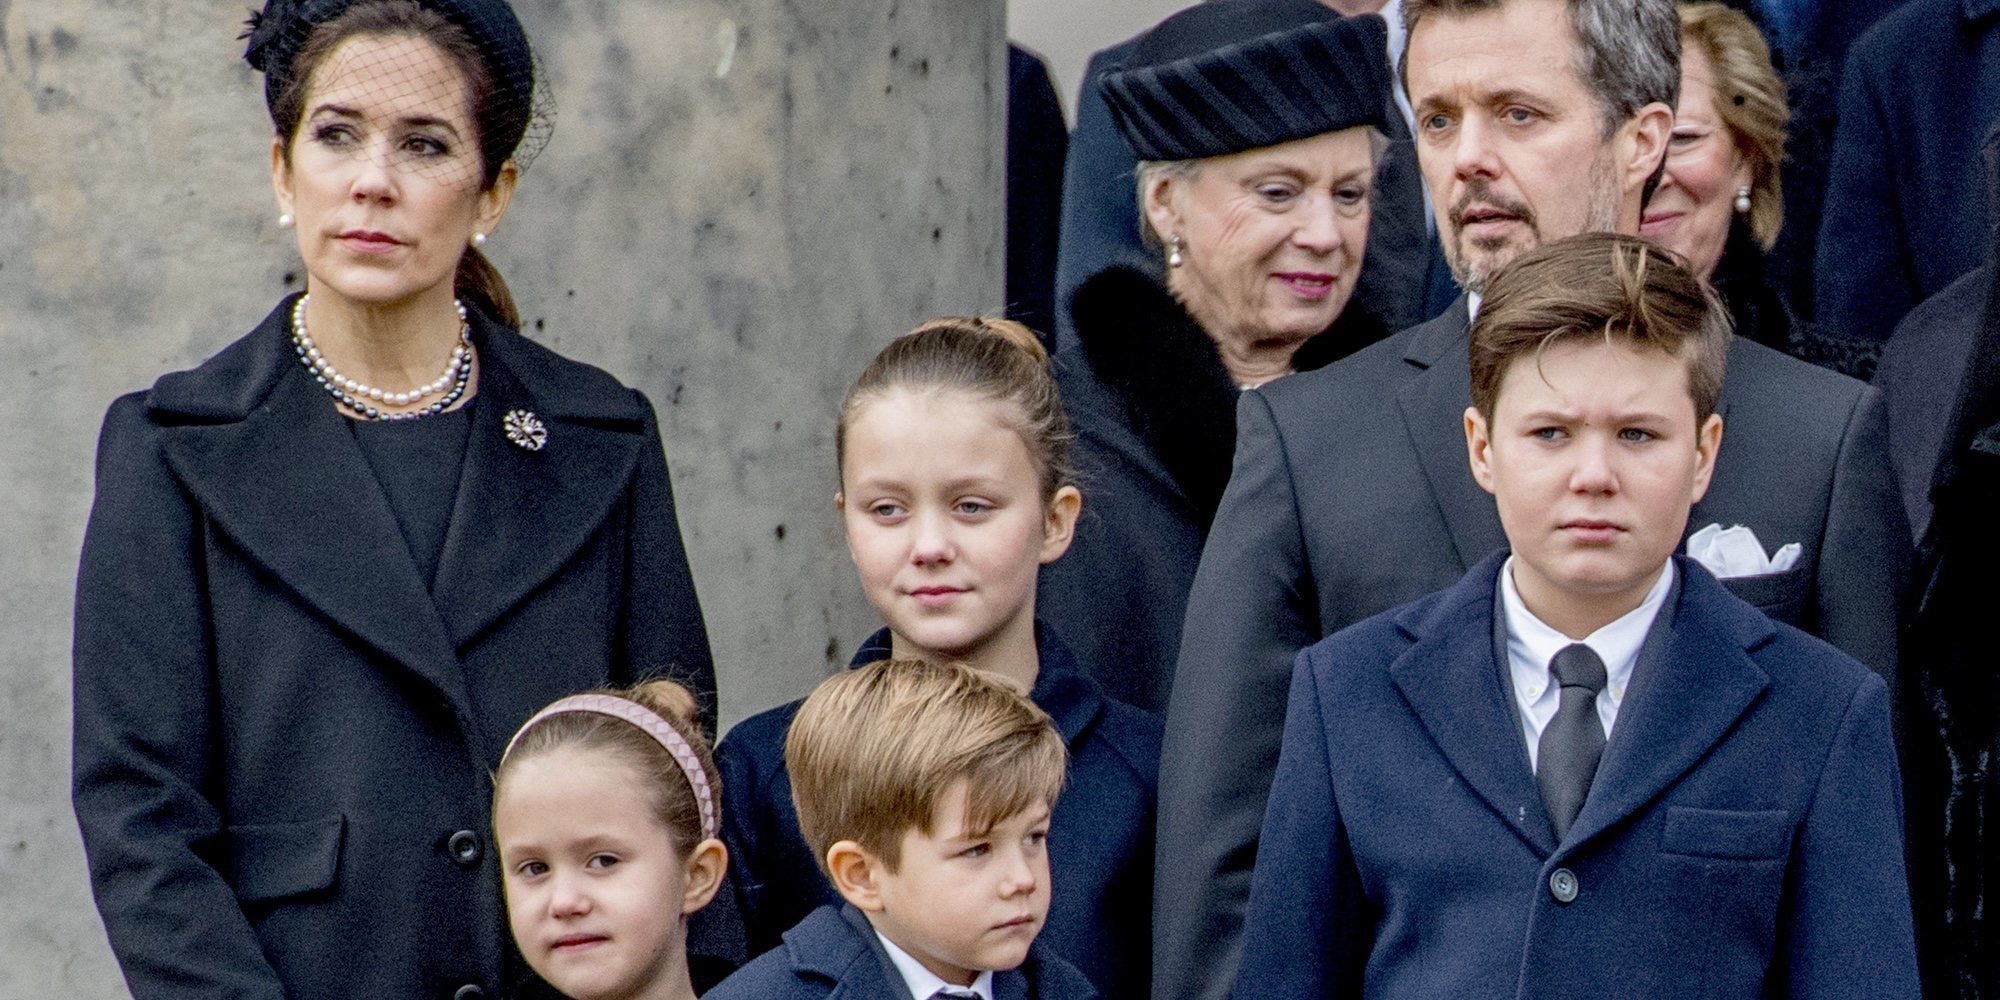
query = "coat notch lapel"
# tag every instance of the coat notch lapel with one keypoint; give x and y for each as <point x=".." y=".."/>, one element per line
<point x="520" y="515"/>
<point x="1690" y="699"/>
<point x="288" y="483"/>
<point x="1433" y="406"/>
<point x="1452" y="684"/>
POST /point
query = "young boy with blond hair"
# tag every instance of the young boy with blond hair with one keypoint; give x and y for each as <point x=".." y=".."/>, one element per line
<point x="925" y="792"/>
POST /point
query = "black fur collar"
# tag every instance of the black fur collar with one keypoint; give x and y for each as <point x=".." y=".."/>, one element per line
<point x="1157" y="361"/>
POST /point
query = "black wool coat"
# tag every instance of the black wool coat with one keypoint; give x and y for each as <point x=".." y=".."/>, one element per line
<point x="1153" y="412"/>
<point x="283" y="739"/>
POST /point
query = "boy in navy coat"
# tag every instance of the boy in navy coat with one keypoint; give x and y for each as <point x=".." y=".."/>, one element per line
<point x="1586" y="769"/>
<point x="925" y="791"/>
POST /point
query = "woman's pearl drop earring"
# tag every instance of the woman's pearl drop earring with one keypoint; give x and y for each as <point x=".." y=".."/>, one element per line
<point x="1174" y="258"/>
<point x="285" y="220"/>
<point x="478" y="238"/>
<point x="1743" y="200"/>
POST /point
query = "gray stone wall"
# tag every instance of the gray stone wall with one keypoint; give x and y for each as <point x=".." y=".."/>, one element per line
<point x="742" y="201"/>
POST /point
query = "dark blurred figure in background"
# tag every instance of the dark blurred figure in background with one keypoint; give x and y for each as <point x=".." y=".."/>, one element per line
<point x="1940" y="379"/>
<point x="1902" y="216"/>
<point x="1037" y="143"/>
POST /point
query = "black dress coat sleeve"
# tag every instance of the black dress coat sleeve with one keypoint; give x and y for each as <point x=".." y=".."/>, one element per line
<point x="283" y="740"/>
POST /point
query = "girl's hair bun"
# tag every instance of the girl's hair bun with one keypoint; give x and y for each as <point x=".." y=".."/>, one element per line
<point x="1006" y="329"/>
<point x="668" y="699"/>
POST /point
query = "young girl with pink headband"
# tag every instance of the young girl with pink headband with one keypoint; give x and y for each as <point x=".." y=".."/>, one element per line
<point x="606" y="809"/>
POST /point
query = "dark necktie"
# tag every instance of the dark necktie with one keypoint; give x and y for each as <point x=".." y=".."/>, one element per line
<point x="951" y="994"/>
<point x="1574" y="739"/>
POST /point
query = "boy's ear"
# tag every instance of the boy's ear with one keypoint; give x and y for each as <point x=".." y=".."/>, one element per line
<point x="856" y="874"/>
<point x="705" y="869"/>
<point x="1479" y="447"/>
<point x="1059" y="529"/>
<point x="1707" y="442"/>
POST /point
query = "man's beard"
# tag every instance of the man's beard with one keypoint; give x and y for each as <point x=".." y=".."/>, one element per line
<point x="1472" y="265"/>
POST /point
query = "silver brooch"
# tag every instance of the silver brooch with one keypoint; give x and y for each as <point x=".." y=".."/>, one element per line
<point x="526" y="429"/>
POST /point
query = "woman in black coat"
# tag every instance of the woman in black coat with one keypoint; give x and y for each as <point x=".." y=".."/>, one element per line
<point x="1262" y="219"/>
<point x="309" y="613"/>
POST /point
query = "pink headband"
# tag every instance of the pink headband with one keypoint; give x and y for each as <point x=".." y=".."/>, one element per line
<point x="639" y="715"/>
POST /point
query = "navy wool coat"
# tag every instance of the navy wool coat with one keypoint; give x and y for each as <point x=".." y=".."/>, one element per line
<point x="1100" y="838"/>
<point x="1741" y="839"/>
<point x="1905" y="204"/>
<point x="283" y="738"/>
<point x="835" y="954"/>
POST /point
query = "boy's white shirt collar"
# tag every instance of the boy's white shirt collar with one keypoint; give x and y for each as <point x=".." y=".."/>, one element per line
<point x="1532" y="643"/>
<point x="923" y="982"/>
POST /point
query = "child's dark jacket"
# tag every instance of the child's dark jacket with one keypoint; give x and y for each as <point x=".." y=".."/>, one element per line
<point x="834" y="954"/>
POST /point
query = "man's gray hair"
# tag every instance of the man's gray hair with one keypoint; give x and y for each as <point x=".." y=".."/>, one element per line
<point x="1628" y="51"/>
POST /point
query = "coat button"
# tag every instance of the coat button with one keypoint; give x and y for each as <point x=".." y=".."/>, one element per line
<point x="470" y="991"/>
<point x="463" y="847"/>
<point x="1562" y="885"/>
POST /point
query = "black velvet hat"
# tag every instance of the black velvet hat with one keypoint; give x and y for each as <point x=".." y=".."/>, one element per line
<point x="280" y="30"/>
<point x="1229" y="75"/>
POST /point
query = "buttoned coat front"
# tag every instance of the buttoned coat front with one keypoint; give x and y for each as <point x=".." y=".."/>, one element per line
<point x="283" y="738"/>
<point x="1741" y="838"/>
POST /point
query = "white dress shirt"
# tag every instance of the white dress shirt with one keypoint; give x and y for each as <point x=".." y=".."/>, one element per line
<point x="923" y="982"/>
<point x="1531" y="644"/>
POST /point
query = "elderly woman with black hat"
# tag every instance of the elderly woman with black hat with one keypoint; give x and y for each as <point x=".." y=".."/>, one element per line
<point x="1258" y="125"/>
<point x="331" y="569"/>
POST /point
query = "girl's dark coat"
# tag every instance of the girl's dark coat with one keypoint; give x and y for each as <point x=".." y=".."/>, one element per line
<point x="283" y="739"/>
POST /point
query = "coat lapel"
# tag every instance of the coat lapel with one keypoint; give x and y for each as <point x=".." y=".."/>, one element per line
<point x="1452" y="683"/>
<point x="1433" y="405"/>
<point x="521" y="514"/>
<point x="1681" y="703"/>
<point x="839" y="946"/>
<point x="286" y="481"/>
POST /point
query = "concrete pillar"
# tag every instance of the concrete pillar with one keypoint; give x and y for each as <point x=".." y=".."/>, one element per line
<point x="740" y="204"/>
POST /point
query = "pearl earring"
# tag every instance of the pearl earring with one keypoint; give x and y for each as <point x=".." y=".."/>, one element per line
<point x="1743" y="200"/>
<point x="285" y="221"/>
<point x="1174" y="258"/>
<point x="478" y="239"/>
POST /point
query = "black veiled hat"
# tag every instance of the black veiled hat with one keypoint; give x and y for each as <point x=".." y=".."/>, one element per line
<point x="277" y="33"/>
<point x="1229" y="75"/>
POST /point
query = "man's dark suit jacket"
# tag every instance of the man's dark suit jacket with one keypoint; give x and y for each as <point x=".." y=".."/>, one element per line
<point x="1351" y="494"/>
<point x="1741" y="839"/>
<point x="834" y="954"/>
<point x="1905" y="207"/>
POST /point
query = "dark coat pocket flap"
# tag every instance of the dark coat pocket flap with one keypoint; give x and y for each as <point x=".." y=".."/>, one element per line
<point x="1780" y="595"/>
<point x="1726" y="833"/>
<point x="274" y="860"/>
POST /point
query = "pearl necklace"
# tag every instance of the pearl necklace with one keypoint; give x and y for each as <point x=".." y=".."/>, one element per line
<point x="360" y="397"/>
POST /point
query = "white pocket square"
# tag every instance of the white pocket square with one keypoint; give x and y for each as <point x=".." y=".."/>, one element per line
<point x="1735" y="551"/>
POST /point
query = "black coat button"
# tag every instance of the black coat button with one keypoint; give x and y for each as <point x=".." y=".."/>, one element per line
<point x="463" y="847"/>
<point x="470" y="991"/>
<point x="1562" y="885"/>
